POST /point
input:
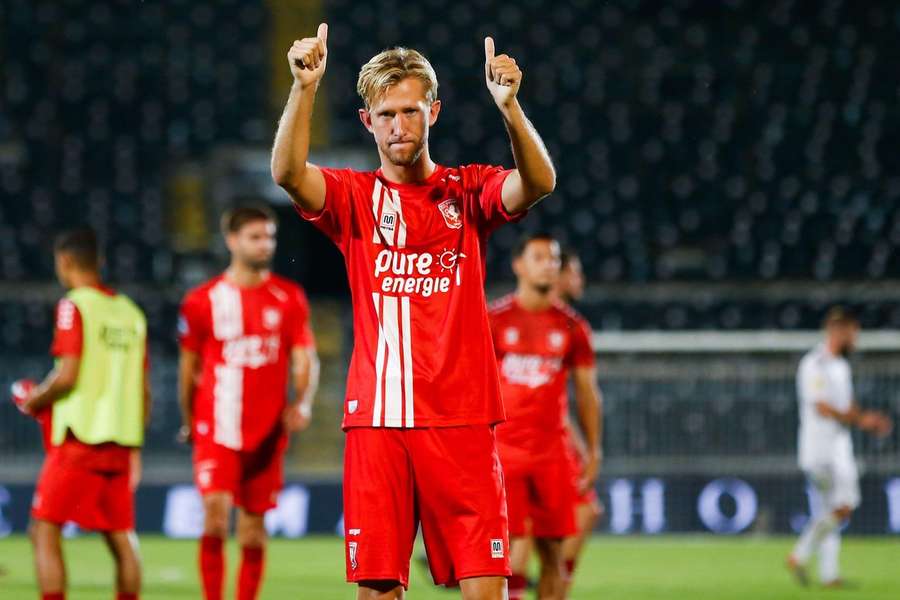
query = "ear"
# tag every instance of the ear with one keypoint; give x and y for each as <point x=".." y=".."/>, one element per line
<point x="366" y="119"/>
<point x="433" y="114"/>
<point x="517" y="265"/>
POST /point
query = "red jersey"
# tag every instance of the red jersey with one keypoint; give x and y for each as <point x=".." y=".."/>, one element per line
<point x="535" y="351"/>
<point x="415" y="256"/>
<point x="244" y="337"/>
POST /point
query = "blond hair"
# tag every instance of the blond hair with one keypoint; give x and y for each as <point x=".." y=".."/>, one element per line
<point x="389" y="67"/>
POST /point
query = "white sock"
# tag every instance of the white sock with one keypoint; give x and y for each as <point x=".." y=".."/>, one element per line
<point x="829" y="553"/>
<point x="812" y="536"/>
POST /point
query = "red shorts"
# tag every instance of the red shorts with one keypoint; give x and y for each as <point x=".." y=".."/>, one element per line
<point x="447" y="478"/>
<point x="86" y="485"/>
<point x="253" y="477"/>
<point x="576" y="467"/>
<point x="541" y="492"/>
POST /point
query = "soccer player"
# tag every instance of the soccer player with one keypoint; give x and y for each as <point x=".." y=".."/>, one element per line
<point x="828" y="410"/>
<point x="423" y="390"/>
<point x="241" y="333"/>
<point x="588" y="507"/>
<point x="538" y="341"/>
<point x="99" y="396"/>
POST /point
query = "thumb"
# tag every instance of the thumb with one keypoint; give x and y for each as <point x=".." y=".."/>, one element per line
<point x="322" y="33"/>
<point x="488" y="48"/>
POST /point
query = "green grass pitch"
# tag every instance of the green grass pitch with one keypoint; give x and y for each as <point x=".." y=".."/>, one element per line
<point x="614" y="568"/>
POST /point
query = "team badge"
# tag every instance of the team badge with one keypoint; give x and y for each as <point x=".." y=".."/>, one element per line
<point x="271" y="318"/>
<point x="352" y="405"/>
<point x="353" y="548"/>
<point x="511" y="335"/>
<point x="556" y="339"/>
<point x="450" y="211"/>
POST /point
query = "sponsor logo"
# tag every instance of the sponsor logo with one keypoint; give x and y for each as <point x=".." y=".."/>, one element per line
<point x="352" y="405"/>
<point x="388" y="221"/>
<point x="65" y="318"/>
<point x="496" y="548"/>
<point x="353" y="531"/>
<point x="413" y="273"/>
<point x="271" y="318"/>
<point x="530" y="370"/>
<point x="450" y="211"/>
<point x="252" y="351"/>
<point x="353" y="548"/>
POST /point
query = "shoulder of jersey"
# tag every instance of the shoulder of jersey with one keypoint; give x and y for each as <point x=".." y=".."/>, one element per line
<point x="502" y="304"/>
<point x="201" y="289"/>
<point x="569" y="312"/>
<point x="285" y="284"/>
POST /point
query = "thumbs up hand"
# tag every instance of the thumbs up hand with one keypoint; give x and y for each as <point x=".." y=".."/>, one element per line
<point x="307" y="58"/>
<point x="502" y="75"/>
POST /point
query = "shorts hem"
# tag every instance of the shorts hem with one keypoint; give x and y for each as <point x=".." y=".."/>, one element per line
<point x="504" y="572"/>
<point x="357" y="578"/>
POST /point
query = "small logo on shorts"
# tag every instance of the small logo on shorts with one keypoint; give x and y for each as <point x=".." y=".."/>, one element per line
<point x="352" y="405"/>
<point x="353" y="546"/>
<point x="496" y="548"/>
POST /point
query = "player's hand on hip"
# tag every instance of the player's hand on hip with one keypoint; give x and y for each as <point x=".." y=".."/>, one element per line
<point x="307" y="58"/>
<point x="502" y="75"/>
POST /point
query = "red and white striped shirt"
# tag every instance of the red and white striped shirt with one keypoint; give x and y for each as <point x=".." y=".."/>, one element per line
<point x="415" y="256"/>
<point x="244" y="337"/>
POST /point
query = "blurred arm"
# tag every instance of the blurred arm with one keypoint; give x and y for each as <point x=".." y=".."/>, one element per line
<point x="56" y="384"/>
<point x="589" y="404"/>
<point x="188" y="364"/>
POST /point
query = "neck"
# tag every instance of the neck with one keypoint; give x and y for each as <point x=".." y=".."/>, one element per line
<point x="242" y="276"/>
<point x="531" y="299"/>
<point x="415" y="173"/>
<point x="832" y="347"/>
<point x="85" y="279"/>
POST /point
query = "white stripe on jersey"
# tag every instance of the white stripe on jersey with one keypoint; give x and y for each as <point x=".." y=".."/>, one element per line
<point x="393" y="381"/>
<point x="377" y="200"/>
<point x="227" y="406"/>
<point x="400" y="225"/>
<point x="393" y="401"/>
<point x="379" y="364"/>
<point x="227" y="316"/>
<point x="407" y="362"/>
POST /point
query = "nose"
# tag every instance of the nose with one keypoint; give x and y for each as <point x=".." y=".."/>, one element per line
<point x="398" y="127"/>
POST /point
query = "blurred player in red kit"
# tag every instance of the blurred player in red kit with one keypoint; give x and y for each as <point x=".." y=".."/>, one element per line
<point x="538" y="341"/>
<point x="588" y="507"/>
<point x="242" y="334"/>
<point x="423" y="390"/>
<point x="93" y="408"/>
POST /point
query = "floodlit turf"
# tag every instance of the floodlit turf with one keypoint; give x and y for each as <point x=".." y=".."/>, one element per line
<point x="670" y="568"/>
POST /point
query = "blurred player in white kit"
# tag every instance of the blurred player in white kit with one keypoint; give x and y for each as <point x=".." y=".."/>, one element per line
<point x="828" y="410"/>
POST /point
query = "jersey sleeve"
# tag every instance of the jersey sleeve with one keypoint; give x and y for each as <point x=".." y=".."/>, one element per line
<point x="581" y="351"/>
<point x="334" y="218"/>
<point x="192" y="326"/>
<point x="812" y="383"/>
<point x="490" y="198"/>
<point x="68" y="331"/>
<point x="300" y="333"/>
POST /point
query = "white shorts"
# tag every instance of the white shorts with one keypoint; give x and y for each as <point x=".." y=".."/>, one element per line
<point x="837" y="483"/>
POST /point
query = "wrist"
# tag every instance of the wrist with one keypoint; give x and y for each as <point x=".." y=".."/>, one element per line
<point x="510" y="109"/>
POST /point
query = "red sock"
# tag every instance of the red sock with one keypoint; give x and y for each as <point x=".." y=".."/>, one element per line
<point x="126" y="596"/>
<point x="569" y="569"/>
<point x="252" y="563"/>
<point x="212" y="567"/>
<point x="516" y="586"/>
<point x="54" y="596"/>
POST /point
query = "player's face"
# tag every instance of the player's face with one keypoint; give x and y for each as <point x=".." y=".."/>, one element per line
<point x="400" y="119"/>
<point x="571" y="280"/>
<point x="847" y="334"/>
<point x="254" y="244"/>
<point x="538" y="266"/>
<point x="63" y="265"/>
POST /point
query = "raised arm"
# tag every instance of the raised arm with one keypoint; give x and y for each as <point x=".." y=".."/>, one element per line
<point x="534" y="176"/>
<point x="290" y="169"/>
<point x="589" y="405"/>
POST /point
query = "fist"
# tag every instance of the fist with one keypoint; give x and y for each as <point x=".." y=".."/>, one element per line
<point x="307" y="58"/>
<point x="502" y="75"/>
<point x="20" y="391"/>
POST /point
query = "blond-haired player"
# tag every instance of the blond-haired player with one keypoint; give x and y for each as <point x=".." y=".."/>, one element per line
<point x="423" y="390"/>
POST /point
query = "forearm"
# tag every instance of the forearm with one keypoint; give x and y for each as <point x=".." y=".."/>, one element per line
<point x="529" y="153"/>
<point x="49" y="391"/>
<point x="291" y="148"/>
<point x="590" y="416"/>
